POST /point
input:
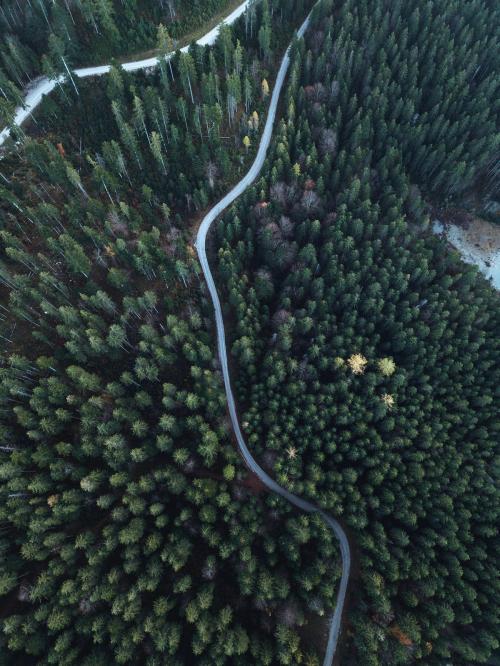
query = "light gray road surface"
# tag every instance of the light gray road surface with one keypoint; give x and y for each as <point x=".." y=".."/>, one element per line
<point x="302" y="504"/>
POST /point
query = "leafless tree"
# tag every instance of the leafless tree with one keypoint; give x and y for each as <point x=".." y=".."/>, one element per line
<point x="211" y="173"/>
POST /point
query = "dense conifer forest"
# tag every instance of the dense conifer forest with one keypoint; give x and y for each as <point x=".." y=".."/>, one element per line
<point x="365" y="354"/>
<point x="368" y="356"/>
<point x="131" y="532"/>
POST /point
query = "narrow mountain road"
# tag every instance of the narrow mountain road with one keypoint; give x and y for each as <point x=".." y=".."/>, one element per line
<point x="300" y="503"/>
<point x="44" y="86"/>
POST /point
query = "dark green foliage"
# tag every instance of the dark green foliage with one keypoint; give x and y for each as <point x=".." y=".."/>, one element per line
<point x="367" y="355"/>
<point x="131" y="534"/>
<point x="91" y="31"/>
<point x="178" y="128"/>
<point x="330" y="274"/>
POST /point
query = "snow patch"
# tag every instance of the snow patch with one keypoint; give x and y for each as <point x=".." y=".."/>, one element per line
<point x="437" y="227"/>
<point x="478" y="244"/>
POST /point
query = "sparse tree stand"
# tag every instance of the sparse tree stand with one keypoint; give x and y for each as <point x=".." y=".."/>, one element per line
<point x="92" y="32"/>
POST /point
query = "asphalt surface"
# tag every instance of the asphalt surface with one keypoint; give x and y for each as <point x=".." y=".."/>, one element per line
<point x="253" y="465"/>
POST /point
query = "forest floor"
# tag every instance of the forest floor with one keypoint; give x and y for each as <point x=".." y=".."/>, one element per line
<point x="477" y="240"/>
<point x="187" y="39"/>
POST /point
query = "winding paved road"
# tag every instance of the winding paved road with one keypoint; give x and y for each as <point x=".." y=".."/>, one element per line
<point x="44" y="86"/>
<point x="302" y="504"/>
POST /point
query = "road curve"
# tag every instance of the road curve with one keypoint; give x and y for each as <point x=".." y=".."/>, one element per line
<point x="221" y="342"/>
<point x="44" y="86"/>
